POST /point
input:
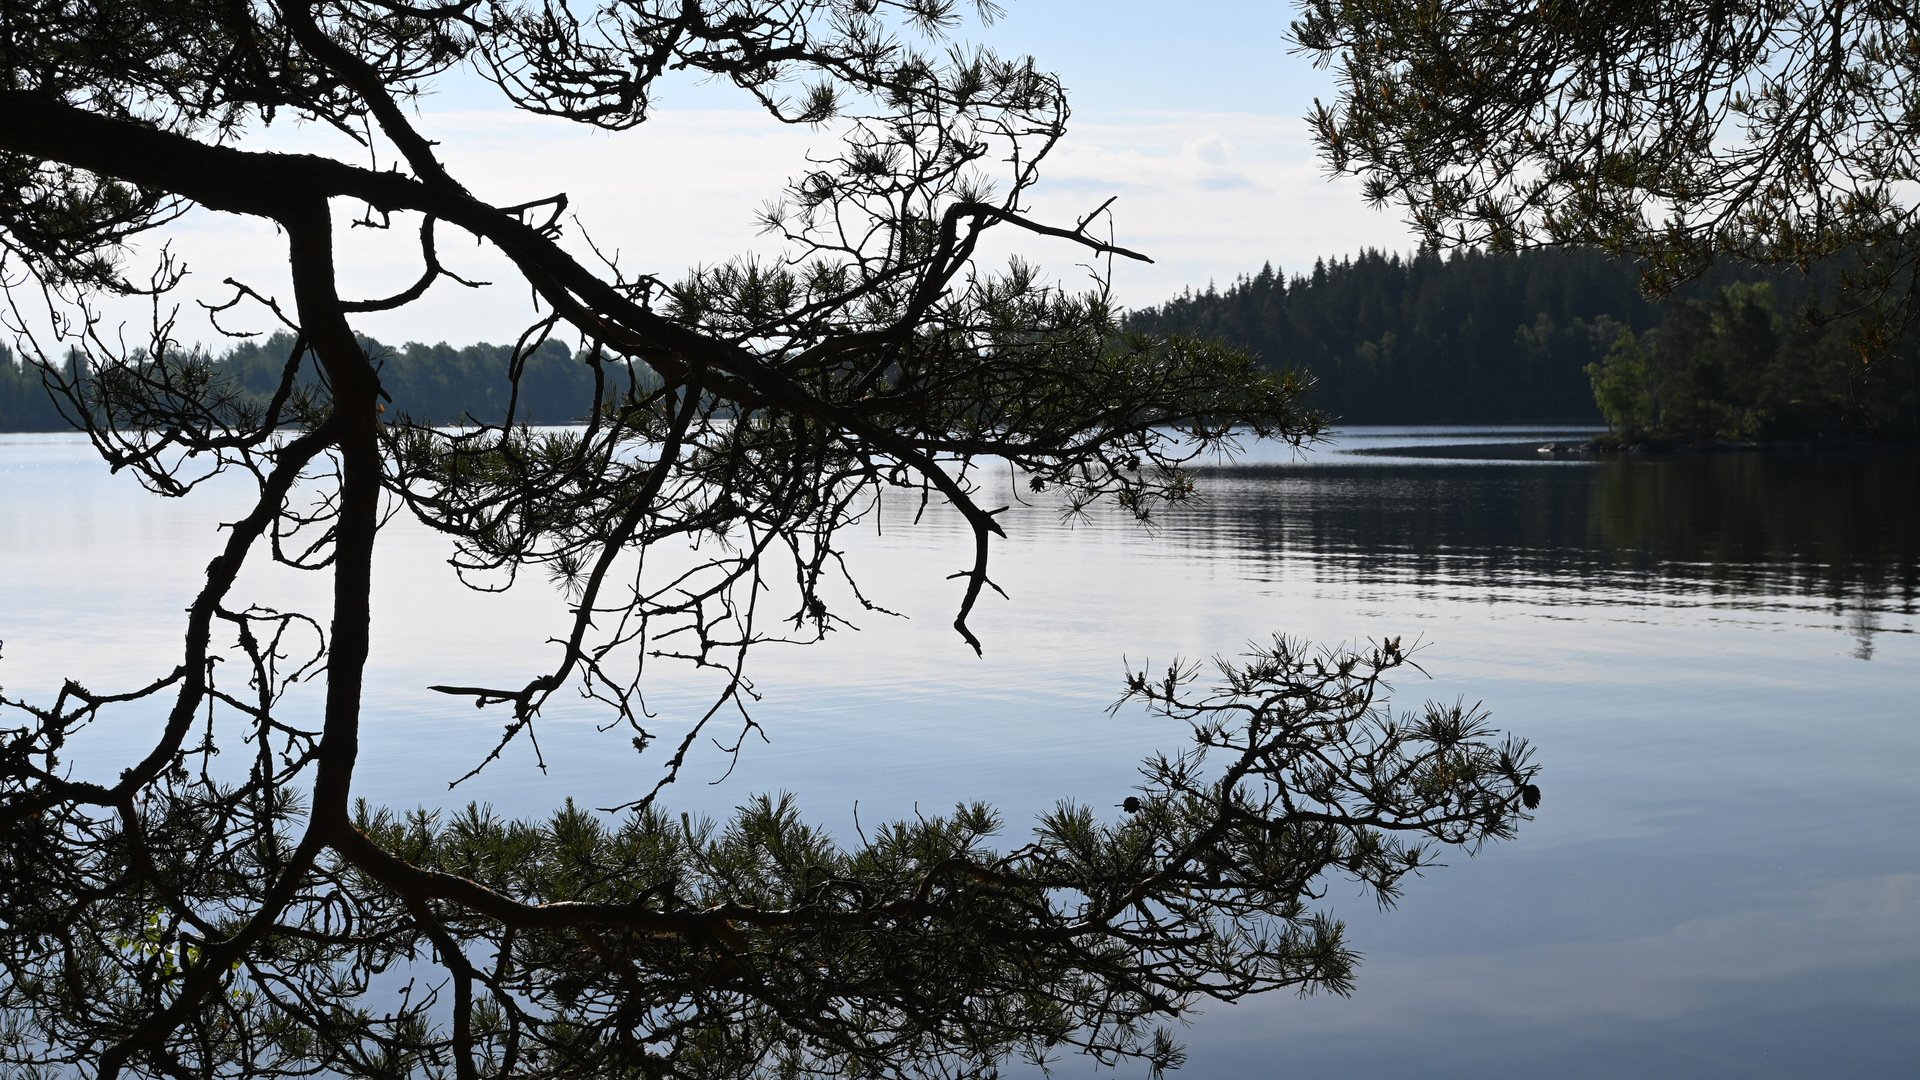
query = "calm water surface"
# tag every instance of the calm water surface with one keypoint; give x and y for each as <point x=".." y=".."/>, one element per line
<point x="1717" y="657"/>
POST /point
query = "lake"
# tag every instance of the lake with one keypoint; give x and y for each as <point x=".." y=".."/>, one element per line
<point x="1716" y="655"/>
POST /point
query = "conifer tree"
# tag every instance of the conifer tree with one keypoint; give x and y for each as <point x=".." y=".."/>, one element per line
<point x="1684" y="135"/>
<point x="177" y="915"/>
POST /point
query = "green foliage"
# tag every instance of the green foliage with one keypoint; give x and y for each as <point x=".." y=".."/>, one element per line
<point x="1683" y="133"/>
<point x="653" y="944"/>
<point x="1732" y="369"/>
<point x="432" y="384"/>
<point x="25" y="404"/>
<point x="1477" y="337"/>
<point x="1623" y="387"/>
<point x="1489" y="337"/>
<point x="245" y="919"/>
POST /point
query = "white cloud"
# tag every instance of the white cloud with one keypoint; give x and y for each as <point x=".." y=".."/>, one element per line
<point x="1207" y="195"/>
<point x="1212" y="195"/>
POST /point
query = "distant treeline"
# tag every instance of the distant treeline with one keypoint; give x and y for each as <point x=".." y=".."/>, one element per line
<point x="24" y="403"/>
<point x="1483" y="337"/>
<point x="1469" y="338"/>
<point x="435" y="383"/>
<point x="1474" y="337"/>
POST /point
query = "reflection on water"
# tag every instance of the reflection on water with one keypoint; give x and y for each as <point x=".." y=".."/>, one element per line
<point x="1751" y="904"/>
<point x="1716" y="656"/>
<point x="1740" y="529"/>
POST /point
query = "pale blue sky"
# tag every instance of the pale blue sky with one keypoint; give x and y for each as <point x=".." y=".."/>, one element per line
<point x="1191" y="116"/>
<point x="1202" y="55"/>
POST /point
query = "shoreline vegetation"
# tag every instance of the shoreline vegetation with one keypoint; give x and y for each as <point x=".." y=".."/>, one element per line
<point x="434" y="383"/>
<point x="1601" y="449"/>
<point x="1566" y="336"/>
<point x="1556" y="336"/>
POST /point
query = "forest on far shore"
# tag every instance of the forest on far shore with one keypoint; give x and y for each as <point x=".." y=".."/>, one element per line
<point x="431" y="382"/>
<point x="1480" y="337"/>
<point x="1469" y="338"/>
<point x="1474" y="338"/>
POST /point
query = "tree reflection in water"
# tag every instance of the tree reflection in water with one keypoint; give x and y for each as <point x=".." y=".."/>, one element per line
<point x="1744" y="530"/>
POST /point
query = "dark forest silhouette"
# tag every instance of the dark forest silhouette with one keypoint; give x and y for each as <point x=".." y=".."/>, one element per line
<point x="1483" y="337"/>
<point x="1470" y="338"/>
<point x="434" y="383"/>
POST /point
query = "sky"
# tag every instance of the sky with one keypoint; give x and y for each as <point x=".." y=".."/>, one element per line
<point x="1190" y="116"/>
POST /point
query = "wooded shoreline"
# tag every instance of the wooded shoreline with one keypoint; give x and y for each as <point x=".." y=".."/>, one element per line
<point x="1557" y="336"/>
